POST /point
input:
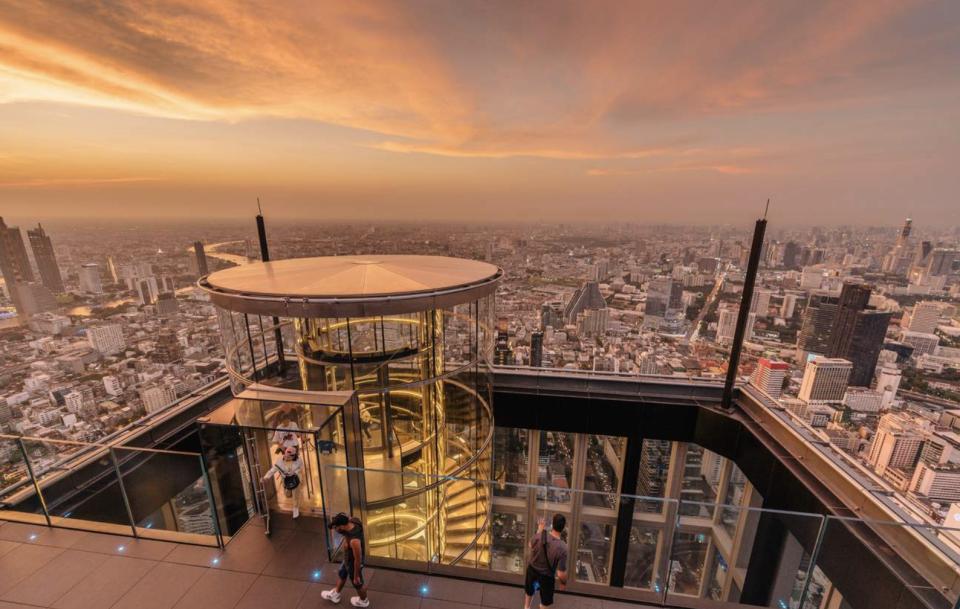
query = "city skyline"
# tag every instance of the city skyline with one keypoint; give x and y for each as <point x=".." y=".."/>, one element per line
<point x="842" y="112"/>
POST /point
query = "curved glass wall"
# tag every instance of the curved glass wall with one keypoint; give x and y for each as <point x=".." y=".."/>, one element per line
<point x="424" y="386"/>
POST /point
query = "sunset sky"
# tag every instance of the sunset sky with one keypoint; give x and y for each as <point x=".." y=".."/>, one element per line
<point x="841" y="112"/>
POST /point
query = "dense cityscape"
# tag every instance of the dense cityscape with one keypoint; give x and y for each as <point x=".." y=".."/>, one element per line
<point x="852" y="330"/>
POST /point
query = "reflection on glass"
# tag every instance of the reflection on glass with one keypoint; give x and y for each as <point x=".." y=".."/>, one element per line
<point x="733" y="496"/>
<point x="508" y="533"/>
<point x="717" y="579"/>
<point x="688" y="557"/>
<point x="510" y="461"/>
<point x="604" y="464"/>
<point x="555" y="466"/>
<point x="702" y="470"/>
<point x="594" y="552"/>
<point x="641" y="566"/>
<point x="653" y="474"/>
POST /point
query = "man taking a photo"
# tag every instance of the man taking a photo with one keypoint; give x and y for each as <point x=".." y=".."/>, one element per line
<point x="548" y="560"/>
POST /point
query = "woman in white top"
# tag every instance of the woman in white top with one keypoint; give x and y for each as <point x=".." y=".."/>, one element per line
<point x="285" y="435"/>
<point x="288" y="465"/>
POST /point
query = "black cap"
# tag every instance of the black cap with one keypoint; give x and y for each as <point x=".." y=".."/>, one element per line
<point x="339" y="520"/>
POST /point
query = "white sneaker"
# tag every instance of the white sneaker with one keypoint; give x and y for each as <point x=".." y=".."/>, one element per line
<point x="331" y="595"/>
<point x="296" y="512"/>
<point x="356" y="602"/>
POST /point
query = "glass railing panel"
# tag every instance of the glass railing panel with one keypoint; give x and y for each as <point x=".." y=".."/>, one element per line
<point x="934" y="548"/>
<point x="595" y="538"/>
<point x="651" y="534"/>
<point x="79" y="485"/>
<point x="19" y="500"/>
<point x="741" y="555"/>
<point x="555" y="466"/>
<point x="226" y="454"/>
<point x="169" y="495"/>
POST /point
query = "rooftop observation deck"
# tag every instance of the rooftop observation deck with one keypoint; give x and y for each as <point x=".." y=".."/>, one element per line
<point x="814" y="502"/>
<point x="43" y="567"/>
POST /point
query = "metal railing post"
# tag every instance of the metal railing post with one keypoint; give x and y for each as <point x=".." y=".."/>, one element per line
<point x="123" y="493"/>
<point x="210" y="500"/>
<point x="813" y="561"/>
<point x="36" y="484"/>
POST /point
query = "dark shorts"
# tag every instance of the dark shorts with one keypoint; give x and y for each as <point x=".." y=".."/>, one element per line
<point x="346" y="573"/>
<point x="538" y="581"/>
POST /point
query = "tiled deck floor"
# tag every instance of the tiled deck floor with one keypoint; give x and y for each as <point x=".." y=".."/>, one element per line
<point x="42" y="567"/>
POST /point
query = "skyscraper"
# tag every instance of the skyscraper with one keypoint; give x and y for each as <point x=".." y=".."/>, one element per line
<point x="587" y="297"/>
<point x="201" y="255"/>
<point x="857" y="334"/>
<point x="924" y="317"/>
<point x="825" y="380"/>
<point x="32" y="298"/>
<point x="502" y="355"/>
<point x="727" y="324"/>
<point x="12" y="262"/>
<point x="817" y="324"/>
<point x="536" y="349"/>
<point x="46" y="260"/>
<point x="768" y="376"/>
<point x="168" y="349"/>
<point x="20" y="253"/>
<point x="90" y="278"/>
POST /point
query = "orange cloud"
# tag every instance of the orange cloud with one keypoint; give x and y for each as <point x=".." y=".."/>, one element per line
<point x="493" y="81"/>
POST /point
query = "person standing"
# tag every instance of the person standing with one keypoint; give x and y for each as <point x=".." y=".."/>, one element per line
<point x="286" y="434"/>
<point x="289" y="467"/>
<point x="548" y="562"/>
<point x="354" y="551"/>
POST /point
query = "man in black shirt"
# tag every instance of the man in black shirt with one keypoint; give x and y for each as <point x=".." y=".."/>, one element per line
<point x="354" y="551"/>
<point x="548" y="558"/>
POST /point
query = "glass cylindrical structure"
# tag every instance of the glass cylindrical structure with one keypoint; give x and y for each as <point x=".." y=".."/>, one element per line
<point x="413" y="337"/>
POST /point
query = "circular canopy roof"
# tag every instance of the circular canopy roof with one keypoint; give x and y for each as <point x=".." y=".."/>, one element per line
<point x="351" y="286"/>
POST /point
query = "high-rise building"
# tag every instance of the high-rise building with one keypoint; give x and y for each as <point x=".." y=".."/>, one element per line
<point x="924" y="317"/>
<point x="760" y="302"/>
<point x="202" y="268"/>
<point x="861" y="399"/>
<point x="502" y="354"/>
<point x="923" y="344"/>
<point x="157" y="397"/>
<point x="46" y="260"/>
<point x="20" y="253"/>
<point x="536" y="349"/>
<point x="817" y="322"/>
<point x="32" y="299"/>
<point x="939" y="482"/>
<point x="90" y="278"/>
<point x="112" y="386"/>
<point x="888" y="381"/>
<point x="943" y="262"/>
<point x="727" y="324"/>
<point x="789" y="306"/>
<point x="168" y="348"/>
<point x="857" y="334"/>
<point x="107" y="338"/>
<point x="825" y="380"/>
<point x="587" y="297"/>
<point x="791" y="252"/>
<point x="896" y="444"/>
<point x="167" y="305"/>
<point x="768" y="376"/>
<point x="12" y="263"/>
<point x="593" y="322"/>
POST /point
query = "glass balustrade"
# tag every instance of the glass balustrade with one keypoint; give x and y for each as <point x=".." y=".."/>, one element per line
<point x="139" y="492"/>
